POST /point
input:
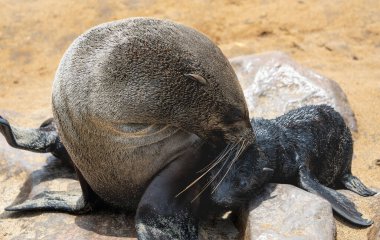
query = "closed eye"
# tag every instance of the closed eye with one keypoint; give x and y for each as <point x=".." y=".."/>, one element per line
<point x="234" y="115"/>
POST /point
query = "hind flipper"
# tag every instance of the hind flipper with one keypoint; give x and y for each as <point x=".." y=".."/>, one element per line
<point x="40" y="140"/>
<point x="340" y="203"/>
<point x="77" y="203"/>
<point x="354" y="184"/>
<point x="53" y="201"/>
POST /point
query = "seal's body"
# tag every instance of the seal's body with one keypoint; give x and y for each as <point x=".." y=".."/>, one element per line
<point x="140" y="104"/>
<point x="125" y="108"/>
<point x="310" y="147"/>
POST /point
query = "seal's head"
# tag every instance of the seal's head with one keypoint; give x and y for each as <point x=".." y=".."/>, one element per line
<point x="212" y="95"/>
<point x="153" y="71"/>
<point x="241" y="179"/>
<point x="222" y="115"/>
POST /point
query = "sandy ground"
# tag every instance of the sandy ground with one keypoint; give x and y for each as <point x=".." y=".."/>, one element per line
<point x="339" y="39"/>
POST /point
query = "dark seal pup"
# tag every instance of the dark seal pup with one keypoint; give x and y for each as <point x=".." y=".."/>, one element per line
<point x="140" y="105"/>
<point x="310" y="147"/>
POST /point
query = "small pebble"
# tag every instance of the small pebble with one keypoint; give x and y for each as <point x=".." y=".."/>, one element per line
<point x="377" y="162"/>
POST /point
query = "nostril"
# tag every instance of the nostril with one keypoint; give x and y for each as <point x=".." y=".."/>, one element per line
<point x="227" y="200"/>
<point x="243" y="184"/>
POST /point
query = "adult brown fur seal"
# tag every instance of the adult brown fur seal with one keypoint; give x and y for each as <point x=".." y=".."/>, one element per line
<point x="140" y="104"/>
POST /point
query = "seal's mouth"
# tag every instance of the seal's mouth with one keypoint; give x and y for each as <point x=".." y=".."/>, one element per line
<point x="225" y="202"/>
<point x="229" y="202"/>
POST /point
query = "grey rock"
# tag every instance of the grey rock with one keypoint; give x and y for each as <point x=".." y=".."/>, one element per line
<point x="274" y="84"/>
<point x="286" y="212"/>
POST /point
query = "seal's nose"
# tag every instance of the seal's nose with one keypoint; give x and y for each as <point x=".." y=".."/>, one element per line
<point x="222" y="199"/>
<point x="225" y="202"/>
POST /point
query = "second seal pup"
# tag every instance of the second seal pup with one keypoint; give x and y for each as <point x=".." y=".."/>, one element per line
<point x="310" y="147"/>
<point x="140" y="104"/>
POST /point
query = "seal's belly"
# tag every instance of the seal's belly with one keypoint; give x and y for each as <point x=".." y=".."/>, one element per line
<point x="119" y="160"/>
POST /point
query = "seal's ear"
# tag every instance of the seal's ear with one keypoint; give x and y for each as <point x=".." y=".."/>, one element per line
<point x="197" y="78"/>
<point x="268" y="170"/>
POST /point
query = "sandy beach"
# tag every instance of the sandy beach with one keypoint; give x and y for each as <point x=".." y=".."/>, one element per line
<point x="338" y="39"/>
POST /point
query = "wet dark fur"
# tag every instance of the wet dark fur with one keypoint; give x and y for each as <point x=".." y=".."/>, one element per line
<point x="311" y="143"/>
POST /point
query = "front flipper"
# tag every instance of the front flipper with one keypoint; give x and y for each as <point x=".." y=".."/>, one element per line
<point x="53" y="201"/>
<point x="163" y="215"/>
<point x="340" y="203"/>
<point x="36" y="140"/>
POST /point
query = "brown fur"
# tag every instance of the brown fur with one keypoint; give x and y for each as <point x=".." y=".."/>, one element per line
<point x="126" y="102"/>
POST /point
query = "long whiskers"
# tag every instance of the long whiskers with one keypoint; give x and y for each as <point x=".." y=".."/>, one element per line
<point x="237" y="155"/>
<point x="226" y="154"/>
<point x="219" y="159"/>
<point x="213" y="178"/>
